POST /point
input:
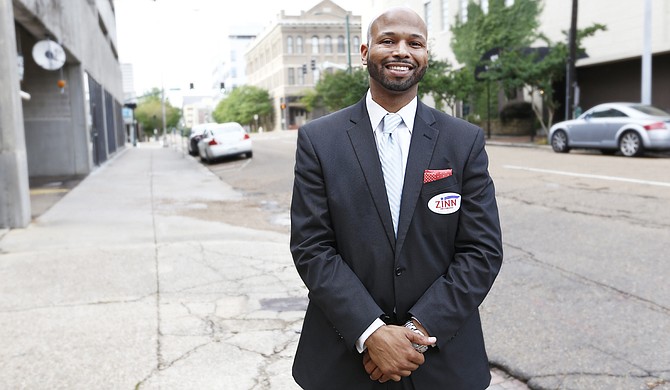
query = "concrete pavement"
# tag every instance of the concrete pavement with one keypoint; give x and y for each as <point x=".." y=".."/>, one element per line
<point x="117" y="286"/>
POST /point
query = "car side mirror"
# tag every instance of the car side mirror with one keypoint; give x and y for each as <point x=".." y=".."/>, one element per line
<point x="588" y="116"/>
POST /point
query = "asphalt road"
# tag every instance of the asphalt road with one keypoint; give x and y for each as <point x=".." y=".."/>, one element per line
<point x="583" y="299"/>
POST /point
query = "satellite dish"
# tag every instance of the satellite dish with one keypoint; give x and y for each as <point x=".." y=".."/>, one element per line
<point x="49" y="54"/>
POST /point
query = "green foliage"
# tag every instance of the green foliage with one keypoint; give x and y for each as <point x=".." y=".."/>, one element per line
<point x="337" y="90"/>
<point x="504" y="27"/>
<point x="242" y="104"/>
<point x="512" y="30"/>
<point x="149" y="113"/>
<point x="446" y="85"/>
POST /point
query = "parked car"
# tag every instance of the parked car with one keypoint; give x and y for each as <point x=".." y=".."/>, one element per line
<point x="224" y="140"/>
<point x="196" y="135"/>
<point x="630" y="128"/>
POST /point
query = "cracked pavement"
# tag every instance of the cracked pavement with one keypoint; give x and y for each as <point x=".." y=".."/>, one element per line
<point x="583" y="299"/>
<point x="118" y="286"/>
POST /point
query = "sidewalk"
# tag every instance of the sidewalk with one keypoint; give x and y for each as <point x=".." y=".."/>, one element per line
<point x="114" y="286"/>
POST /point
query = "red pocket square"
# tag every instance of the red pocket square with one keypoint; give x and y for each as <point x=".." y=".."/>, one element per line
<point x="435" y="174"/>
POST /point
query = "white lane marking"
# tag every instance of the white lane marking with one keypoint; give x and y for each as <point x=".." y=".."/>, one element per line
<point x="247" y="161"/>
<point x="586" y="175"/>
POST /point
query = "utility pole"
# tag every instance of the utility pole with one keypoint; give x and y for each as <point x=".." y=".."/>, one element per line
<point x="646" y="55"/>
<point x="570" y="77"/>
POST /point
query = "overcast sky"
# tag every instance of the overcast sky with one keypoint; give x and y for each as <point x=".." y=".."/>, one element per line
<point x="177" y="42"/>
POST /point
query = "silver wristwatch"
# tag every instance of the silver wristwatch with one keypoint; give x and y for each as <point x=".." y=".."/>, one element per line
<point x="418" y="347"/>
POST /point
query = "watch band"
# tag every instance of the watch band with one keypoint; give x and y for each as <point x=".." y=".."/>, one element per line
<point x="418" y="347"/>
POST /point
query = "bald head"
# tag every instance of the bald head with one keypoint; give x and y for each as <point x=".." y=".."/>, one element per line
<point x="403" y="15"/>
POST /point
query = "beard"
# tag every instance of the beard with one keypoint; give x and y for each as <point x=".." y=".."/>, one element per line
<point x="377" y="73"/>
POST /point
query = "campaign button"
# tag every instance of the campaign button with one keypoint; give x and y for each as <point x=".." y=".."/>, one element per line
<point x="445" y="203"/>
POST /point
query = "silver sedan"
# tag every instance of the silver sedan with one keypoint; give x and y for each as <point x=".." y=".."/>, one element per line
<point x="630" y="128"/>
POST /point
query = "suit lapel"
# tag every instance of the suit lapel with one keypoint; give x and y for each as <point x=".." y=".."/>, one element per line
<point x="363" y="143"/>
<point x="422" y="145"/>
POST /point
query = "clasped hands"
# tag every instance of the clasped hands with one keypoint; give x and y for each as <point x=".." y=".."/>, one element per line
<point x="390" y="355"/>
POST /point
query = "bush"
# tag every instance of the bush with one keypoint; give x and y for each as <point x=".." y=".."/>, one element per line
<point x="517" y="110"/>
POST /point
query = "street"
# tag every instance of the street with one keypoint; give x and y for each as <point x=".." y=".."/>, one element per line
<point x="582" y="299"/>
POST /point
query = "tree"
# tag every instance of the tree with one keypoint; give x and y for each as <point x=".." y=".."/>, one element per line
<point x="242" y="104"/>
<point x="337" y="90"/>
<point x="149" y="113"/>
<point x="509" y="32"/>
<point x="540" y="69"/>
<point x="503" y="28"/>
<point x="446" y="85"/>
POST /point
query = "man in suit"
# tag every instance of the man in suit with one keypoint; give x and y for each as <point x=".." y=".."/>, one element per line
<point x="394" y="290"/>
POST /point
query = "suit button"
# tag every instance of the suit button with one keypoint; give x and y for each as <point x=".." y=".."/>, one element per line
<point x="399" y="271"/>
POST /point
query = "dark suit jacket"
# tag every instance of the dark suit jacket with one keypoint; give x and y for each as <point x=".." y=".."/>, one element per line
<point x="439" y="269"/>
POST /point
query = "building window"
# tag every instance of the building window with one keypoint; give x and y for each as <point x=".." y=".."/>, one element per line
<point x="289" y="45"/>
<point x="298" y="43"/>
<point x="427" y="15"/>
<point x="315" y="45"/>
<point x="464" y="11"/>
<point x="301" y="77"/>
<point x="328" y="44"/>
<point x="356" y="45"/>
<point x="291" y="76"/>
<point x="340" y="44"/>
<point x="445" y="15"/>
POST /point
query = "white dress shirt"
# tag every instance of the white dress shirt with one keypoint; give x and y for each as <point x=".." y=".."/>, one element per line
<point x="404" y="132"/>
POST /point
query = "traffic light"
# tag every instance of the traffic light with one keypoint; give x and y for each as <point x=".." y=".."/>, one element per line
<point x="191" y="86"/>
<point x="304" y="68"/>
<point x="313" y="64"/>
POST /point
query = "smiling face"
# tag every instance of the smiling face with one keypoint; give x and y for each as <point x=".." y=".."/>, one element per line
<point x="396" y="53"/>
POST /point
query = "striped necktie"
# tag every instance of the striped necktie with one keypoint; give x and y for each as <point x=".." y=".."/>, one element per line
<point x="390" y="156"/>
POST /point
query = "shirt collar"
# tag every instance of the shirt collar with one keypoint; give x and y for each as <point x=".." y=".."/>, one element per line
<point x="377" y="112"/>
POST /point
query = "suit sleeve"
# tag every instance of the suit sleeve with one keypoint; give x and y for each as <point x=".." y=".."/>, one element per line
<point x="453" y="297"/>
<point x="332" y="284"/>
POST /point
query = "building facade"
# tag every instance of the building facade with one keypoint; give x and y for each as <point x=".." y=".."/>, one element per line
<point x="232" y="71"/>
<point x="64" y="119"/>
<point x="613" y="69"/>
<point x="197" y="110"/>
<point x="288" y="58"/>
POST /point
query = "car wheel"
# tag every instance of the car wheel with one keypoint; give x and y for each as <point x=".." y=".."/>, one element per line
<point x="630" y="144"/>
<point x="250" y="154"/>
<point x="559" y="142"/>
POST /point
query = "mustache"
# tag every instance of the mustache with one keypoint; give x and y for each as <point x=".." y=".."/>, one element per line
<point x="406" y="62"/>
